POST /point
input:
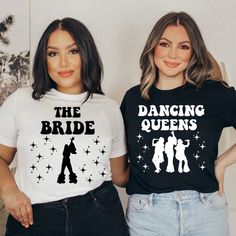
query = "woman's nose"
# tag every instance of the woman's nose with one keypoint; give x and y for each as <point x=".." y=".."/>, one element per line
<point x="64" y="60"/>
<point x="173" y="52"/>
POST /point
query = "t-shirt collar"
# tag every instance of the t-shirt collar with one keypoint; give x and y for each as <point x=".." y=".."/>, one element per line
<point x="53" y="93"/>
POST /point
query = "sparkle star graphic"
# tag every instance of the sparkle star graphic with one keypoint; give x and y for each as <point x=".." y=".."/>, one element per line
<point x="82" y="169"/>
<point x="89" y="179"/>
<point x="33" y="145"/>
<point x="202" y="146"/>
<point x="202" y="167"/>
<point x="87" y="151"/>
<point x="139" y="136"/>
<point x="196" y="156"/>
<point x="39" y="157"/>
<point x="139" y="157"/>
<point x="46" y="140"/>
<point x="103" y="173"/>
<point x="145" y="166"/>
<point x="96" y="162"/>
<point x="102" y="150"/>
<point x="145" y="147"/>
<point x="49" y="168"/>
<point x="96" y="141"/>
<point x="53" y="149"/>
<point x="33" y="167"/>
<point x="39" y="177"/>
<point x="196" y="137"/>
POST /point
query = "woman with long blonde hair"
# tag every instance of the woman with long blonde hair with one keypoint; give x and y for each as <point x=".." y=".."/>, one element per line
<point x="182" y="92"/>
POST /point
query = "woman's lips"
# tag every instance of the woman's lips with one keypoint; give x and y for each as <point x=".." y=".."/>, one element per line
<point x="65" y="74"/>
<point x="171" y="64"/>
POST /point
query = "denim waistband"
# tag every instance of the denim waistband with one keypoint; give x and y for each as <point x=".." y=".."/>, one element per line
<point x="182" y="195"/>
<point x="91" y="194"/>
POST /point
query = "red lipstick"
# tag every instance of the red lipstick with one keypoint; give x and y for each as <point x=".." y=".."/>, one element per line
<point x="65" y="74"/>
<point x="171" y="64"/>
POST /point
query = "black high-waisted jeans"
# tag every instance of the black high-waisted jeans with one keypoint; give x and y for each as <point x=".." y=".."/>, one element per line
<point x="97" y="213"/>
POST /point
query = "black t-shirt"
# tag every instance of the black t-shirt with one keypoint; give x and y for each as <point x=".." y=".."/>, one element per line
<point x="173" y="138"/>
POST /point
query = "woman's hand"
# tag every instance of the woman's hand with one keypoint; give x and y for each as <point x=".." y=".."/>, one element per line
<point x="19" y="206"/>
<point x="219" y="173"/>
<point x="16" y="202"/>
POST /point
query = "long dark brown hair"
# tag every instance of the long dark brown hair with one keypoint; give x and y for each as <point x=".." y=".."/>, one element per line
<point x="92" y="68"/>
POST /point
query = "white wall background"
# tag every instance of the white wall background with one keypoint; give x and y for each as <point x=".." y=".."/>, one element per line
<point x="120" y="29"/>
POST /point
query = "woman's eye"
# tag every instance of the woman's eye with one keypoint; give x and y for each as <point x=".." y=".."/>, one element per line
<point x="164" y="44"/>
<point x="74" y="51"/>
<point x="185" y="47"/>
<point x="52" y="54"/>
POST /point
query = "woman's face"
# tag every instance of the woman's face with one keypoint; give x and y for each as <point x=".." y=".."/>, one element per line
<point x="64" y="62"/>
<point x="173" y="52"/>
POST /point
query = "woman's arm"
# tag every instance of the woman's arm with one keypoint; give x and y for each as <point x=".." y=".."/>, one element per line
<point x="120" y="171"/>
<point x="223" y="161"/>
<point x="16" y="202"/>
<point x="6" y="156"/>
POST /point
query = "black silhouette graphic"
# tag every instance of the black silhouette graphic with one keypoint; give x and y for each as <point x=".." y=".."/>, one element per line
<point x="68" y="149"/>
<point x="46" y="151"/>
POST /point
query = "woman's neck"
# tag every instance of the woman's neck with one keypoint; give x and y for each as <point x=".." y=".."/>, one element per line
<point x="167" y="83"/>
<point x="71" y="91"/>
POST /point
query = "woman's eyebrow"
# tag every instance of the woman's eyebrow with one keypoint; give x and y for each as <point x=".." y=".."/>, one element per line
<point x="186" y="41"/>
<point x="69" y="46"/>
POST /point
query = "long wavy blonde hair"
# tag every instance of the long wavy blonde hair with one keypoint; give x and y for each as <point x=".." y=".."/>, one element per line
<point x="202" y="65"/>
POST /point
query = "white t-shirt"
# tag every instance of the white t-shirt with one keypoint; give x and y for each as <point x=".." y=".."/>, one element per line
<point x="61" y="130"/>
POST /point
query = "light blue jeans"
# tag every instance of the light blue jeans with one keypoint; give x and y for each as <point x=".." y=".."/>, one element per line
<point x="179" y="213"/>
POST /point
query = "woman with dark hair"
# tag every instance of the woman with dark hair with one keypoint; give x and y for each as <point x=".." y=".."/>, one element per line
<point x="180" y="93"/>
<point x="63" y="120"/>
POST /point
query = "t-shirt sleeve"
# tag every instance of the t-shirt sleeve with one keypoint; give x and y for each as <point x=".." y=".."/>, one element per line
<point x="228" y="107"/>
<point x="8" y="131"/>
<point x="119" y="142"/>
<point x="123" y="110"/>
